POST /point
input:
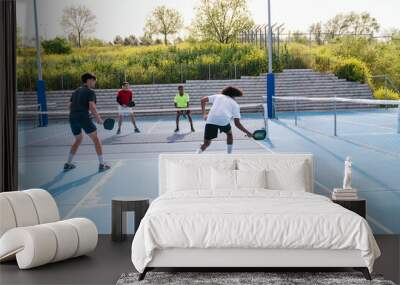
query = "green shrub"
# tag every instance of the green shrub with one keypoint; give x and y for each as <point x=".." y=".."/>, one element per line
<point x="144" y="65"/>
<point x="353" y="69"/>
<point x="383" y="93"/>
<point x="56" y="46"/>
<point x="294" y="56"/>
<point x="323" y="62"/>
<point x="351" y="59"/>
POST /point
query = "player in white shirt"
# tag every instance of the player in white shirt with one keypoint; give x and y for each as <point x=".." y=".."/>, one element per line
<point x="224" y="109"/>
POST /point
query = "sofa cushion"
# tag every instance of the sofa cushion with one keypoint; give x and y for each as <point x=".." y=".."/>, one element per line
<point x="7" y="215"/>
<point x="23" y="208"/>
<point x="67" y="239"/>
<point x="41" y="244"/>
<point x="32" y="246"/>
<point x="46" y="207"/>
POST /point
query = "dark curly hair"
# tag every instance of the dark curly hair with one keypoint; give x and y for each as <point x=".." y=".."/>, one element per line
<point x="232" y="92"/>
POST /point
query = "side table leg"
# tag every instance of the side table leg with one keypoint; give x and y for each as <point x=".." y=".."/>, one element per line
<point x="118" y="222"/>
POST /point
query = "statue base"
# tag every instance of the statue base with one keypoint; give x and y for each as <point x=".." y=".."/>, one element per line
<point x="351" y="190"/>
<point x="344" y="194"/>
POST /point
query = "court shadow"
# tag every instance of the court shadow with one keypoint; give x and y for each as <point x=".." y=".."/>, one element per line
<point x="177" y="137"/>
<point x="56" y="179"/>
<point x="269" y="143"/>
<point x="115" y="139"/>
<point x="70" y="185"/>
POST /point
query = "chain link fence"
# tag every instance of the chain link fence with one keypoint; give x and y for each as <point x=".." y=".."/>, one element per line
<point x="259" y="36"/>
<point x="180" y="73"/>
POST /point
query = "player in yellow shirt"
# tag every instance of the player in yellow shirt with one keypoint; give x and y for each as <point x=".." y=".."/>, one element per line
<point x="182" y="101"/>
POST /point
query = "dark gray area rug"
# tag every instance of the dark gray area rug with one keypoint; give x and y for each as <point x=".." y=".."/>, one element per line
<point x="244" y="278"/>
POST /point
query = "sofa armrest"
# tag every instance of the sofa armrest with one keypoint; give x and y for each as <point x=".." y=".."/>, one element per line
<point x="32" y="246"/>
<point x="37" y="245"/>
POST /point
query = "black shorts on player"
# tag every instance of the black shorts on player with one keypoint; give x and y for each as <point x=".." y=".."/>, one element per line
<point x="183" y="112"/>
<point x="77" y="123"/>
<point x="211" y="130"/>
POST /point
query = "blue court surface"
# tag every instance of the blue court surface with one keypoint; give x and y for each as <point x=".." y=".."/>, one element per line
<point x="370" y="137"/>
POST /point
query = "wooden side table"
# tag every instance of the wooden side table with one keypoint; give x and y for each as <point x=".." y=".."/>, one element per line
<point x="119" y="207"/>
<point x="358" y="206"/>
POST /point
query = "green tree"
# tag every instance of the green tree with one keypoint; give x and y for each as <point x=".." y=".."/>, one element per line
<point x="299" y="37"/>
<point x="73" y="39"/>
<point x="164" y="21"/>
<point x="131" y="41"/>
<point x="56" y="46"/>
<point x="118" y="40"/>
<point x="316" y="31"/>
<point x="178" y="40"/>
<point x="394" y="33"/>
<point x="146" y="40"/>
<point x="221" y="20"/>
<point x="352" y="23"/>
<point x="79" y="21"/>
<point x="94" y="42"/>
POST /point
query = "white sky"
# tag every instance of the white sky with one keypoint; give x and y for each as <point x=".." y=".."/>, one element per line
<point x="125" y="17"/>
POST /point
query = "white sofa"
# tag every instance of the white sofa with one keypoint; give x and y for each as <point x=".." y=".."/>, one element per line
<point x="31" y="231"/>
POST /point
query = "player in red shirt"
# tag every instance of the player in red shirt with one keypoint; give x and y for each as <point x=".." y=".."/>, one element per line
<point x="124" y="97"/>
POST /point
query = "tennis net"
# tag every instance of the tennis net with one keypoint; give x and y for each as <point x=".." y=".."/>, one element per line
<point x="155" y="126"/>
<point x="340" y="116"/>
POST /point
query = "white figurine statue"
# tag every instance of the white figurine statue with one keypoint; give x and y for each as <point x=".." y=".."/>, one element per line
<point x="347" y="174"/>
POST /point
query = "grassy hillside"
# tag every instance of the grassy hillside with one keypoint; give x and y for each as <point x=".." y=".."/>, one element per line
<point x="185" y="61"/>
<point x="380" y="58"/>
<point x="142" y="65"/>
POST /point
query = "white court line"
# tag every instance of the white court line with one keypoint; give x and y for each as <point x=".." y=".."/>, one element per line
<point x="339" y="120"/>
<point x="75" y="160"/>
<point x="365" y="134"/>
<point x="327" y="189"/>
<point x="371" y="147"/>
<point x="263" y="146"/>
<point x="95" y="188"/>
<point x="44" y="139"/>
<point x="372" y="220"/>
<point x="149" y="131"/>
<point x="30" y="130"/>
<point x="347" y="140"/>
<point x="379" y="225"/>
<point x="365" y="124"/>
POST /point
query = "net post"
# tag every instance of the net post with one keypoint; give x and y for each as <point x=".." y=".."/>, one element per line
<point x="398" y="118"/>
<point x="41" y="97"/>
<point x="295" y="112"/>
<point x="270" y="95"/>
<point x="334" y="119"/>
<point x="39" y="107"/>
<point x="265" y="117"/>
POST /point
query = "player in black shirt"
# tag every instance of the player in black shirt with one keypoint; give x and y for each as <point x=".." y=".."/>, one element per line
<point x="82" y="101"/>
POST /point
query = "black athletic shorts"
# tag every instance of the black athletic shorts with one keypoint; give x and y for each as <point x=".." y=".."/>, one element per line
<point x="183" y="112"/>
<point x="79" y="122"/>
<point x="211" y="130"/>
